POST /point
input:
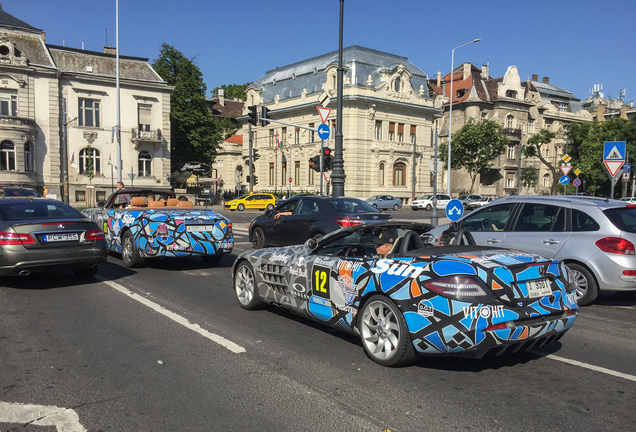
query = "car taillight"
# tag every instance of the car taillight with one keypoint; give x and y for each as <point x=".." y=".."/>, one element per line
<point x="616" y="245"/>
<point x="629" y="272"/>
<point x="229" y="228"/>
<point x="95" y="234"/>
<point x="12" y="239"/>
<point x="465" y="288"/>
<point x="348" y="222"/>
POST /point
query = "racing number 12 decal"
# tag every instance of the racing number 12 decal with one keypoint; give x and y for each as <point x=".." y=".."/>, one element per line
<point x="320" y="281"/>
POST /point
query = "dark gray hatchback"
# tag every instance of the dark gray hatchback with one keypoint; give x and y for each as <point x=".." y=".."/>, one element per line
<point x="39" y="234"/>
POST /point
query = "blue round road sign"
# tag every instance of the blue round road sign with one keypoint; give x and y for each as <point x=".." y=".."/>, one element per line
<point x="454" y="209"/>
<point x="576" y="182"/>
<point x="323" y="131"/>
<point x="564" y="180"/>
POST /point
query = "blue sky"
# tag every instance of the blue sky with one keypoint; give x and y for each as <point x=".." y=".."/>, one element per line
<point x="577" y="43"/>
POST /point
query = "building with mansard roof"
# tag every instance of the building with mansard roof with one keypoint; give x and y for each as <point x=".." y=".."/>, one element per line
<point x="58" y="116"/>
<point x="387" y="124"/>
<point x="522" y="108"/>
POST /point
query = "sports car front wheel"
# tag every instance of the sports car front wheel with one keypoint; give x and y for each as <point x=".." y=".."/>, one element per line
<point x="385" y="337"/>
<point x="245" y="287"/>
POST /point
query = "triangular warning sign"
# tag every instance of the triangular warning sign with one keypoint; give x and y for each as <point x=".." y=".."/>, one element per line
<point x="613" y="166"/>
<point x="614" y="154"/>
<point x="324" y="113"/>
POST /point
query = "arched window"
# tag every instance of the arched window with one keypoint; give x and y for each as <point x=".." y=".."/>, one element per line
<point x="546" y="180"/>
<point x="399" y="174"/>
<point x="396" y="85"/>
<point x="90" y="161"/>
<point x="145" y="164"/>
<point x="510" y="121"/>
<point x="381" y="175"/>
<point x="7" y="154"/>
<point x="28" y="157"/>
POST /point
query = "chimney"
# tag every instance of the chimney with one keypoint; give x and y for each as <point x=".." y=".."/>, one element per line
<point x="439" y="78"/>
<point x="600" y="113"/>
<point x="624" y="111"/>
<point x="110" y="50"/>
<point x="466" y="71"/>
<point x="222" y="97"/>
<point x="546" y="80"/>
<point x="535" y="77"/>
<point x="485" y="71"/>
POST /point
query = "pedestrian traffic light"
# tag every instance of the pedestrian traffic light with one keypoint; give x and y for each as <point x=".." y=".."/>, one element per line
<point x="255" y="155"/>
<point x="264" y="116"/>
<point x="247" y="179"/>
<point x="314" y="163"/>
<point x="255" y="180"/>
<point x="326" y="159"/>
<point x="252" y="115"/>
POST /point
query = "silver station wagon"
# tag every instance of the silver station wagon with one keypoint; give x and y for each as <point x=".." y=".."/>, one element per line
<point x="594" y="236"/>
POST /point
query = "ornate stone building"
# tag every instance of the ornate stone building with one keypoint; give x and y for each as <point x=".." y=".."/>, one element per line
<point x="58" y="116"/>
<point x="387" y="123"/>
<point x="522" y="108"/>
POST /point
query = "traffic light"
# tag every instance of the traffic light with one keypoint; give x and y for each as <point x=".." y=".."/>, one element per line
<point x="247" y="179"/>
<point x="252" y="115"/>
<point x="264" y="116"/>
<point x="255" y="180"/>
<point x="255" y="155"/>
<point x="314" y="163"/>
<point x="326" y="159"/>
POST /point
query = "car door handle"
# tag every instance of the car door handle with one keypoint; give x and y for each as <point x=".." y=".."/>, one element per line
<point x="493" y="240"/>
<point x="550" y="241"/>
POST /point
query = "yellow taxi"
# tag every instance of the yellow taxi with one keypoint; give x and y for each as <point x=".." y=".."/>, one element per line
<point x="257" y="201"/>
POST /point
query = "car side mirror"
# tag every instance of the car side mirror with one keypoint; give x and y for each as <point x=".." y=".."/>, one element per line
<point x="311" y="244"/>
<point x="269" y="212"/>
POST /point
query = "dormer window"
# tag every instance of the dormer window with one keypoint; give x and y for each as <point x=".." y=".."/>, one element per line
<point x="511" y="94"/>
<point x="460" y="93"/>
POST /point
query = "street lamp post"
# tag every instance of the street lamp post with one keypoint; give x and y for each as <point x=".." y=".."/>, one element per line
<point x="450" y="115"/>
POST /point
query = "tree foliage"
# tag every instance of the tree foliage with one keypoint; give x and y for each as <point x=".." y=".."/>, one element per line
<point x="534" y="147"/>
<point x="194" y="136"/>
<point x="474" y="147"/>
<point x="529" y="177"/>
<point x="232" y="91"/>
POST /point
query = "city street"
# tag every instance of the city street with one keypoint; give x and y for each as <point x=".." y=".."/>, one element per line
<point x="166" y="347"/>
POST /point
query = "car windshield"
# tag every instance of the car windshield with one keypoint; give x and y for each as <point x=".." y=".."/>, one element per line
<point x="373" y="198"/>
<point x="461" y="197"/>
<point x="242" y="197"/>
<point x="425" y="197"/>
<point x="19" y="192"/>
<point x="25" y="210"/>
<point x="624" y="218"/>
<point x="352" y="205"/>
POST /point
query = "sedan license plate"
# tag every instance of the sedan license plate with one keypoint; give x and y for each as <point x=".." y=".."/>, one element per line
<point x="49" y="238"/>
<point x="538" y="288"/>
<point x="199" y="228"/>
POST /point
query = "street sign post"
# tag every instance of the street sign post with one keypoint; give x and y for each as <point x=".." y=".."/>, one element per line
<point x="614" y="157"/>
<point x="564" y="180"/>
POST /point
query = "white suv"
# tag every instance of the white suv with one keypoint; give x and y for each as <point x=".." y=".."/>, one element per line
<point x="426" y="202"/>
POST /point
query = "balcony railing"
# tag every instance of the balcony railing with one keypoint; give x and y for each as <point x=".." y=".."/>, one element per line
<point x="146" y="135"/>
<point x="512" y="132"/>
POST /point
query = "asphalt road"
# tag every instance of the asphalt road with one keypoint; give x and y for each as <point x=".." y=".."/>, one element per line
<point x="166" y="348"/>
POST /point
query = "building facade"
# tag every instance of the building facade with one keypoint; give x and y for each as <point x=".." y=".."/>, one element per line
<point x="387" y="124"/>
<point x="58" y="115"/>
<point x="522" y="108"/>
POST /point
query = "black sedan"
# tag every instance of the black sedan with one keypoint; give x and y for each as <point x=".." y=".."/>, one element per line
<point x="304" y="217"/>
<point x="39" y="234"/>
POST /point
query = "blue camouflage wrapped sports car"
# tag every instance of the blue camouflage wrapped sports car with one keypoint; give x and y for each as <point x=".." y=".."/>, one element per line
<point x="416" y="300"/>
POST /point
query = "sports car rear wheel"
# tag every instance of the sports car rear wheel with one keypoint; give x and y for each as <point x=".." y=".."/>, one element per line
<point x="129" y="252"/>
<point x="245" y="287"/>
<point x="385" y="337"/>
<point x="258" y="238"/>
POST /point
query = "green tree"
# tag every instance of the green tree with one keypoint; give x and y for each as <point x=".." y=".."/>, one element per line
<point x="194" y="135"/>
<point x="529" y="177"/>
<point x="474" y="147"/>
<point x="232" y="91"/>
<point x="534" y="147"/>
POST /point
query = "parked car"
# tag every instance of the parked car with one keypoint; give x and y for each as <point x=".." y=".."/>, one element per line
<point x="17" y="191"/>
<point x="479" y="203"/>
<point x="298" y="219"/>
<point x="253" y="201"/>
<point x="418" y="300"/>
<point x="385" y="202"/>
<point x="466" y="200"/>
<point x="595" y="237"/>
<point x="39" y="234"/>
<point x="155" y="223"/>
<point x="426" y="202"/>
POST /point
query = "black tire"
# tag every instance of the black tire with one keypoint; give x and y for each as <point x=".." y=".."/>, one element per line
<point x="85" y="272"/>
<point x="586" y="287"/>
<point x="318" y="235"/>
<point x="429" y="207"/>
<point x="270" y="207"/>
<point x="211" y="259"/>
<point x="396" y="207"/>
<point x="383" y="332"/>
<point x="414" y="208"/>
<point x="258" y="238"/>
<point x="240" y="207"/>
<point x="245" y="287"/>
<point x="375" y="206"/>
<point x="129" y="252"/>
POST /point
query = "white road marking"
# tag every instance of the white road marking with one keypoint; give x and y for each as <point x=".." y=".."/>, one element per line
<point x="175" y="317"/>
<point x="64" y="419"/>
<point x="587" y="366"/>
